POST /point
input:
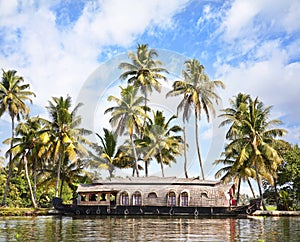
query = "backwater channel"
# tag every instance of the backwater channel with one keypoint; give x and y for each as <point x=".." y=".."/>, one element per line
<point x="63" y="228"/>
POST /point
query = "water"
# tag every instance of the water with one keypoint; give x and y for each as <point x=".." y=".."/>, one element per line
<point x="56" y="228"/>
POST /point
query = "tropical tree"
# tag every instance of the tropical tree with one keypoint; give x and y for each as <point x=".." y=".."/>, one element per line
<point x="233" y="171"/>
<point x="105" y="153"/>
<point x="25" y="149"/>
<point x="255" y="135"/>
<point x="64" y="140"/>
<point x="161" y="141"/>
<point x="289" y="175"/>
<point x="109" y="144"/>
<point x="127" y="116"/>
<point x="13" y="94"/>
<point x="199" y="95"/>
<point x="144" y="72"/>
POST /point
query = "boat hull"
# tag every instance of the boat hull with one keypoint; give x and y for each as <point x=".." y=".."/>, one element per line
<point x="68" y="209"/>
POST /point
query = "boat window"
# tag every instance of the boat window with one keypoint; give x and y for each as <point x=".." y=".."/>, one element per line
<point x="83" y="197"/>
<point x="184" y="199"/>
<point x="204" y="194"/>
<point x="103" y="197"/>
<point x="93" y="197"/>
<point x="171" y="199"/>
<point x="152" y="195"/>
<point x="137" y="198"/>
<point x="124" y="198"/>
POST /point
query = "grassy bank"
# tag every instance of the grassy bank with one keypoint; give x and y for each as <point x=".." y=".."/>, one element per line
<point x="23" y="211"/>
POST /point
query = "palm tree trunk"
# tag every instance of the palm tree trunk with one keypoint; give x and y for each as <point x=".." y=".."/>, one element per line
<point x="161" y="165"/>
<point x="58" y="177"/>
<point x="29" y="182"/>
<point x="238" y="192"/>
<point x="34" y="178"/>
<point x="276" y="192"/>
<point x="146" y="168"/>
<point x="251" y="188"/>
<point x="259" y="186"/>
<point x="185" y="154"/>
<point x="197" y="143"/>
<point x="254" y="146"/>
<point x="143" y="131"/>
<point x="111" y="171"/>
<point x="60" y="160"/>
<point x="61" y="186"/>
<point x="135" y="156"/>
<point x="10" y="164"/>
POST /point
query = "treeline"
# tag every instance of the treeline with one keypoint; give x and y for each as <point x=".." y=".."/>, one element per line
<point x="49" y="157"/>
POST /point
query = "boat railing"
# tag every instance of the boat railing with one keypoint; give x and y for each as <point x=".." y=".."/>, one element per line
<point x="94" y="203"/>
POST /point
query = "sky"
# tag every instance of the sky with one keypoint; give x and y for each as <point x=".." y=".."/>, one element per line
<point x="73" y="47"/>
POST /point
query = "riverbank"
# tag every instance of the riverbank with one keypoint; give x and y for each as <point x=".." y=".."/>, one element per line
<point x="276" y="213"/>
<point x="26" y="211"/>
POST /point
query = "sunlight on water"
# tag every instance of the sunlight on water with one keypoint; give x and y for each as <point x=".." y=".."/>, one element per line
<point x="52" y="228"/>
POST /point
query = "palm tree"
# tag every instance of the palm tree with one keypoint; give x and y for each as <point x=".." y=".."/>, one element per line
<point x="127" y="116"/>
<point x="160" y="141"/>
<point x="108" y="150"/>
<point x="256" y="138"/>
<point x="233" y="114"/>
<point x="13" y="95"/>
<point x="233" y="170"/>
<point x="25" y="148"/>
<point x="64" y="139"/>
<point x="198" y="95"/>
<point x="144" y="72"/>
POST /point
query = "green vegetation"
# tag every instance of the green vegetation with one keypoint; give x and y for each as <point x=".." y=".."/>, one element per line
<point x="49" y="157"/>
<point x="251" y="152"/>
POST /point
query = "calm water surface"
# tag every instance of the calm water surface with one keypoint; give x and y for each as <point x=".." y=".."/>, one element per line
<point x="56" y="228"/>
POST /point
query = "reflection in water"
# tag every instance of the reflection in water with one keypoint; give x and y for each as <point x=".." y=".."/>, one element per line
<point x="56" y="228"/>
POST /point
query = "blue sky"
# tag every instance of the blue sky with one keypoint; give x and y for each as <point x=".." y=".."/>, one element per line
<point x="60" y="46"/>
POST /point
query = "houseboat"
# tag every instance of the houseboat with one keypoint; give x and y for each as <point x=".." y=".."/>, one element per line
<point x="155" y="196"/>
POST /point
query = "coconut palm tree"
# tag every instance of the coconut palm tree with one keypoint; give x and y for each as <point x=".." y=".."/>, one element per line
<point x="199" y="96"/>
<point x="233" y="171"/>
<point x="107" y="152"/>
<point x="25" y="149"/>
<point x="256" y="139"/>
<point x="127" y="116"/>
<point x="13" y="94"/>
<point x="161" y="141"/>
<point x="145" y="73"/>
<point x="64" y="139"/>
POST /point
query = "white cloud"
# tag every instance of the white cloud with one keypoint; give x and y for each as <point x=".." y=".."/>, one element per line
<point x="8" y="7"/>
<point x="57" y="61"/>
<point x="272" y="80"/>
<point x="260" y="54"/>
<point x="247" y="19"/>
<point x="238" y="18"/>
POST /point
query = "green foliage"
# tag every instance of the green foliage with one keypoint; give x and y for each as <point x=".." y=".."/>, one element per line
<point x="253" y="151"/>
<point x="18" y="193"/>
<point x="289" y="177"/>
